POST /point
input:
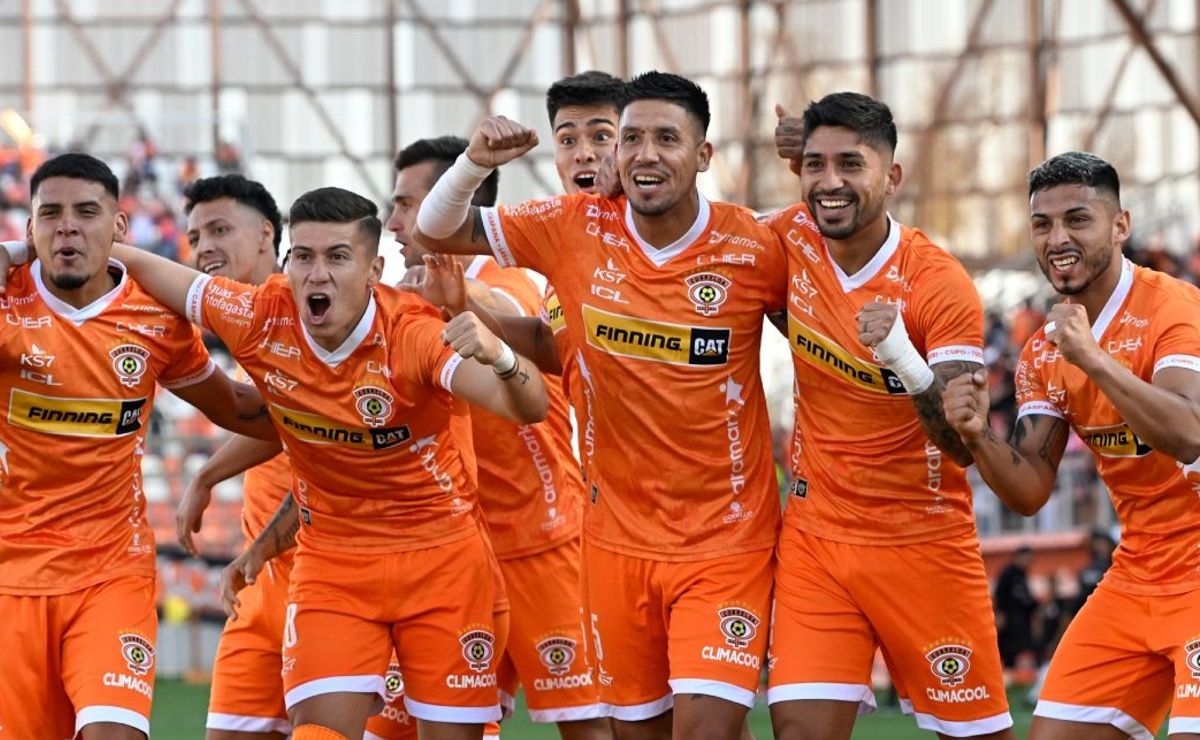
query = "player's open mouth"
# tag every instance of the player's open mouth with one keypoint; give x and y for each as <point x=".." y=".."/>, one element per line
<point x="318" y="305"/>
<point x="1064" y="264"/>
<point x="212" y="267"/>
<point x="647" y="182"/>
<point x="67" y="253"/>
<point x="833" y="205"/>
<point x="585" y="180"/>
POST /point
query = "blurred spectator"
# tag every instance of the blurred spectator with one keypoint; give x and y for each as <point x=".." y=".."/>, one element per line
<point x="1102" y="547"/>
<point x="1025" y="323"/>
<point x="1015" y="607"/>
<point x="189" y="172"/>
<point x="229" y="160"/>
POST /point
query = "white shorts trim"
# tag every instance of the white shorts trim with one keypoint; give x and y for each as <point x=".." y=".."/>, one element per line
<point x="372" y="684"/>
<point x="1183" y="724"/>
<point x="970" y="728"/>
<point x="708" y="687"/>
<point x="568" y="714"/>
<point x="1093" y="715"/>
<point x="442" y="713"/>
<point x="117" y="715"/>
<point x="244" y="723"/>
<point x="638" y="712"/>
<point x="857" y="692"/>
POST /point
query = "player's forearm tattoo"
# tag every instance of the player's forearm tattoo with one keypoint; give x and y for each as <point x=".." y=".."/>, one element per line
<point x="478" y="230"/>
<point x="929" y="410"/>
<point x="280" y="533"/>
<point x="1053" y="439"/>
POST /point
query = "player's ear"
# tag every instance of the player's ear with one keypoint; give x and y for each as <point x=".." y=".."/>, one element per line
<point x="1122" y="227"/>
<point x="894" y="176"/>
<point x="120" y="226"/>
<point x="706" y="152"/>
<point x="375" y="274"/>
<point x="266" y="236"/>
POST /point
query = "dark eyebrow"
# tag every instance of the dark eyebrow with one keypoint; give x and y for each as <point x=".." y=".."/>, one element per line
<point x="564" y="124"/>
<point x="594" y="121"/>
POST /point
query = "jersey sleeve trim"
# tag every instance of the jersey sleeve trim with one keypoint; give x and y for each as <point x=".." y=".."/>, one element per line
<point x="955" y="352"/>
<point x="1187" y="362"/>
<point x="495" y="236"/>
<point x="194" y="378"/>
<point x="1039" y="408"/>
<point x="448" y="370"/>
<point x="502" y="293"/>
<point x="195" y="299"/>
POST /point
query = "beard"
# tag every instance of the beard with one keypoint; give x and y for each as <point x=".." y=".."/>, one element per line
<point x="69" y="281"/>
<point x="1094" y="266"/>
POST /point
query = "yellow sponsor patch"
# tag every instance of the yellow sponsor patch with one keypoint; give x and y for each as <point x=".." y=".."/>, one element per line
<point x="554" y="311"/>
<point x="676" y="344"/>
<point x="75" y="417"/>
<point x="828" y="356"/>
<point x="1117" y="440"/>
<point x="317" y="429"/>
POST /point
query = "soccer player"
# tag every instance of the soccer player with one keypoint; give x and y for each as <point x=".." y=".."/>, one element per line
<point x="362" y="381"/>
<point x="1118" y="362"/>
<point x="234" y="227"/>
<point x="663" y="293"/>
<point x="879" y="548"/>
<point x="529" y="486"/>
<point x="82" y="346"/>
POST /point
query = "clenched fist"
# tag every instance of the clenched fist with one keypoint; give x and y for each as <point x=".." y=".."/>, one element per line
<point x="1067" y="327"/>
<point x="966" y="404"/>
<point x="874" y="322"/>
<point x="498" y="141"/>
<point x="468" y="336"/>
<point x="789" y="141"/>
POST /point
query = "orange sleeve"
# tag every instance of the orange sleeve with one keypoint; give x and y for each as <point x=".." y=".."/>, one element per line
<point x="190" y="362"/>
<point x="229" y="308"/>
<point x="516" y="286"/>
<point x="1032" y="397"/>
<point x="1178" y="345"/>
<point x="529" y="234"/>
<point x="949" y="315"/>
<point x="426" y="359"/>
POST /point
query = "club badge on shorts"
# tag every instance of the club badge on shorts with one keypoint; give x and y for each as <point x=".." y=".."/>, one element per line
<point x="738" y="624"/>
<point x="949" y="662"/>
<point x="393" y="682"/>
<point x="478" y="647"/>
<point x="557" y="653"/>
<point x="137" y="652"/>
<point x="1192" y="660"/>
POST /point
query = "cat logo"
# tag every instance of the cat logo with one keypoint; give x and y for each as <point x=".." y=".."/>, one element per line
<point x="129" y="362"/>
<point x="675" y="344"/>
<point x="708" y="291"/>
<point x="75" y="417"/>
<point x="137" y="652"/>
<point x="375" y="405"/>
<point x="1117" y="440"/>
<point x="950" y="663"/>
<point x="827" y="356"/>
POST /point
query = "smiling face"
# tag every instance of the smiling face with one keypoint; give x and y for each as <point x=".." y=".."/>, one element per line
<point x="845" y="181"/>
<point x="661" y="150"/>
<point x="1077" y="234"/>
<point x="230" y="239"/>
<point x="331" y="268"/>
<point x="583" y="136"/>
<point x="73" y="224"/>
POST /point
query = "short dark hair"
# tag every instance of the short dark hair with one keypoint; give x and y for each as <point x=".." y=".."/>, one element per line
<point x="871" y="119"/>
<point x="585" y="89"/>
<point x="338" y="206"/>
<point x="442" y="151"/>
<point x="78" y="166"/>
<point x="249" y="193"/>
<point x="672" y="88"/>
<point x="1076" y="168"/>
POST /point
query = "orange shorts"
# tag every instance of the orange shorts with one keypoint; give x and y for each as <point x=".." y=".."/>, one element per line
<point x="78" y="658"/>
<point x="546" y="650"/>
<point x="1125" y="660"/>
<point x="247" y="689"/>
<point x="925" y="606"/>
<point x="346" y="613"/>
<point x="663" y="628"/>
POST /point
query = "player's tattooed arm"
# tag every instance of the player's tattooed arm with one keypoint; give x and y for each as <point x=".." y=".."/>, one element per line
<point x="933" y="418"/>
<point x="237" y="407"/>
<point x="279" y="536"/>
<point x="1021" y="471"/>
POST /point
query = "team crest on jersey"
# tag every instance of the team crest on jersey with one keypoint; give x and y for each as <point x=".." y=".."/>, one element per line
<point x="557" y="654"/>
<point x="478" y="647"/>
<point x="739" y="625"/>
<point x="129" y="362"/>
<point x="393" y="682"/>
<point x="708" y="291"/>
<point x="949" y="662"/>
<point x="375" y="405"/>
<point x="137" y="652"/>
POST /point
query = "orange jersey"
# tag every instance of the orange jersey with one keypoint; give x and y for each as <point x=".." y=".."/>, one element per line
<point x="79" y="386"/>
<point x="380" y="449"/>
<point x="529" y="486"/>
<point x="865" y="471"/>
<point x="1148" y="324"/>
<point x="669" y="342"/>
<point x="569" y="359"/>
<point x="263" y="488"/>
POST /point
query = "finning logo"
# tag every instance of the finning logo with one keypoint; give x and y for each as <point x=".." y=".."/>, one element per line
<point x="393" y="682"/>
<point x="557" y="654"/>
<point x="129" y="362"/>
<point x="829" y="357"/>
<point x="375" y="405"/>
<point x="1117" y="440"/>
<point x="739" y="625"/>
<point x="950" y="663"/>
<point x="708" y="291"/>
<point x="137" y="652"/>
<point x="657" y="341"/>
<point x="478" y="648"/>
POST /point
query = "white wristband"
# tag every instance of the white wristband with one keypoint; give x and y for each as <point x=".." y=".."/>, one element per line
<point x="445" y="207"/>
<point x="507" y="360"/>
<point x="18" y="251"/>
<point x="898" y="353"/>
